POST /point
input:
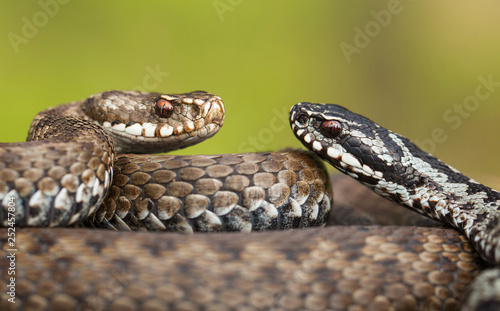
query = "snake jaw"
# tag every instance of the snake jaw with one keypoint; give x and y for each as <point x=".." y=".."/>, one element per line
<point x="344" y="147"/>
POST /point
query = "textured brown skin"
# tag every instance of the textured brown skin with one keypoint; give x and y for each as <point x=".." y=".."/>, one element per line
<point x="184" y="193"/>
<point x="61" y="175"/>
<point x="333" y="268"/>
<point x="483" y="293"/>
<point x="357" y="205"/>
<point x="50" y="164"/>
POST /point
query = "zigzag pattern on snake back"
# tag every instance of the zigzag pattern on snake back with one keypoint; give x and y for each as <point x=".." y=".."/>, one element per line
<point x="395" y="168"/>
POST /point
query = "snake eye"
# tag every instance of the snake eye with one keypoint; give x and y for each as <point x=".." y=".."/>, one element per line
<point x="164" y="108"/>
<point x="331" y="128"/>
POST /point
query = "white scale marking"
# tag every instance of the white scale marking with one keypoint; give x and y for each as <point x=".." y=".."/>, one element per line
<point x="271" y="210"/>
<point x="62" y="200"/>
<point x="135" y="129"/>
<point x="367" y="142"/>
<point x="189" y="126"/>
<point x="308" y="138"/>
<point x="199" y="101"/>
<point x="6" y="200"/>
<point x="179" y="129"/>
<point x="368" y="170"/>
<point x="358" y="171"/>
<point x="119" y="127"/>
<point x="334" y="153"/>
<point x="107" y="178"/>
<point x="205" y="111"/>
<point x="351" y="174"/>
<point x="149" y="129"/>
<point x="315" y="211"/>
<point x="168" y="97"/>
<point x="80" y="193"/>
<point x="95" y="187"/>
<point x="351" y="160"/>
<point x="317" y="145"/>
<point x="36" y="199"/>
<point x="166" y="131"/>
<point x="212" y="219"/>
<point x="297" y="209"/>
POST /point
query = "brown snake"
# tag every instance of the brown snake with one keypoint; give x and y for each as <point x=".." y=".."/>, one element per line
<point x="356" y="268"/>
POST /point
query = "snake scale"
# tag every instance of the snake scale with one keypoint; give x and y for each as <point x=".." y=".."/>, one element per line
<point x="63" y="177"/>
<point x="332" y="268"/>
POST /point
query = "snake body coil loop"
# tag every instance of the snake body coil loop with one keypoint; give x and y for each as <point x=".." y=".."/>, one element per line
<point x="82" y="173"/>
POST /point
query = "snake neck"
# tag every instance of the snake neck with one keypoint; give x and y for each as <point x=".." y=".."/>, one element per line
<point x="430" y="187"/>
<point x="397" y="169"/>
<point x="68" y="123"/>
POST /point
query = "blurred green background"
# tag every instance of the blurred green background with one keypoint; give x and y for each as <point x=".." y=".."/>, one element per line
<point x="417" y="67"/>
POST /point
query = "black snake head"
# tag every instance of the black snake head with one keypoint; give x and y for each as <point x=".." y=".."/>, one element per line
<point x="152" y="122"/>
<point x="397" y="169"/>
<point x="353" y="144"/>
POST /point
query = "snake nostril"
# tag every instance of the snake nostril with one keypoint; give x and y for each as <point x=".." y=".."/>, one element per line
<point x="302" y="119"/>
<point x="164" y="108"/>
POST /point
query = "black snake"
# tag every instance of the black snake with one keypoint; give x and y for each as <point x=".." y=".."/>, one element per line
<point x="329" y="268"/>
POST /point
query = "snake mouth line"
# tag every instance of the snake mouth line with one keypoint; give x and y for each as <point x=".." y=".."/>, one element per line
<point x="157" y="132"/>
<point x="174" y="122"/>
<point x="335" y="153"/>
<point x="127" y="142"/>
<point x="311" y="137"/>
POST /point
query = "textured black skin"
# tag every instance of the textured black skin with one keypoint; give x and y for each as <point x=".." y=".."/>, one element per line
<point x="398" y="173"/>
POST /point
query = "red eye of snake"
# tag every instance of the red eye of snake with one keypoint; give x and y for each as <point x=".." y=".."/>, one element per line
<point x="164" y="108"/>
<point x="331" y="128"/>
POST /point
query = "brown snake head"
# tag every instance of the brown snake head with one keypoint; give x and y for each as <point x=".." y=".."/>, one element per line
<point x="152" y="122"/>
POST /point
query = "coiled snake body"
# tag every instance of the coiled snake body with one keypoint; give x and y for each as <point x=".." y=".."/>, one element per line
<point x="379" y="268"/>
<point x="60" y="177"/>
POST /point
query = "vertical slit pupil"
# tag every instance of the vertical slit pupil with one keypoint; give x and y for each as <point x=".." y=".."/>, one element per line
<point x="331" y="128"/>
<point x="164" y="108"/>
